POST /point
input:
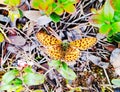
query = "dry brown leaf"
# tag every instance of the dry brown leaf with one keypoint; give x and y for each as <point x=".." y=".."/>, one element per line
<point x="32" y="15"/>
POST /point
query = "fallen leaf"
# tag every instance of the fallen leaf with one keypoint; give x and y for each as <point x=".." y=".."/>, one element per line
<point x="115" y="60"/>
<point x="110" y="47"/>
<point x="17" y="40"/>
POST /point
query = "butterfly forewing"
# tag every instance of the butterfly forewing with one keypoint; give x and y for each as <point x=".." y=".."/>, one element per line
<point x="46" y="39"/>
<point x="84" y="43"/>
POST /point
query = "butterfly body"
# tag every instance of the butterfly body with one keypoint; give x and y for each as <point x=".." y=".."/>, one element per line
<point x="67" y="52"/>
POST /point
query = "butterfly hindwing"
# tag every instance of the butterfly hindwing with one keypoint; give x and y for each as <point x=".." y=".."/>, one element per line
<point x="71" y="54"/>
<point x="84" y="43"/>
<point x="55" y="52"/>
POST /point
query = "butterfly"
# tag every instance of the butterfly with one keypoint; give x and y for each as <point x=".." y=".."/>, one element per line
<point x="67" y="52"/>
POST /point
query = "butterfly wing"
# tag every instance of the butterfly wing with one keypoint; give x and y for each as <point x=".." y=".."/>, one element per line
<point x="46" y="39"/>
<point x="55" y="52"/>
<point x="71" y="55"/>
<point x="84" y="43"/>
<point x="52" y="45"/>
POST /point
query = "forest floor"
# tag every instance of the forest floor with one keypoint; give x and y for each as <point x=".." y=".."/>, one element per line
<point x="94" y="70"/>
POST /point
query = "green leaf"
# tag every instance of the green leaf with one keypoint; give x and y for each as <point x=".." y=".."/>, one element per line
<point x="20" y="89"/>
<point x="17" y="82"/>
<point x="58" y="11"/>
<point x="70" y="8"/>
<point x="55" y="17"/>
<point x="111" y="33"/>
<point x="97" y="20"/>
<point x="12" y="2"/>
<point x="116" y="27"/>
<point x="105" y="28"/>
<point x="116" y="82"/>
<point x="33" y="79"/>
<point x="35" y="3"/>
<point x="68" y="1"/>
<point x="6" y="1"/>
<point x="38" y="91"/>
<point x="116" y="37"/>
<point x="116" y="16"/>
<point x="9" y="76"/>
<point x="55" y="5"/>
<point x="41" y="4"/>
<point x="1" y="37"/>
<point x="102" y="16"/>
<point x="78" y="89"/>
<point x="10" y="88"/>
<point x="20" y="13"/>
<point x="67" y="73"/>
<point x="6" y="87"/>
<point x="14" y="15"/>
<point x="57" y="8"/>
<point x="65" y="66"/>
<point x="62" y="1"/>
<point x="110" y="39"/>
<point x="49" y="10"/>
<point x="115" y="4"/>
<point x="28" y="70"/>
<point x="108" y="11"/>
<point x="94" y="11"/>
<point x="54" y="63"/>
<point x="74" y="1"/>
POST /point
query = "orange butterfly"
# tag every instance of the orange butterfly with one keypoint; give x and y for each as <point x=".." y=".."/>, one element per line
<point x="67" y="52"/>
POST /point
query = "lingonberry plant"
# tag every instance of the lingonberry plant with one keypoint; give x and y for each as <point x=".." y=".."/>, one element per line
<point x="54" y="8"/>
<point x="107" y="19"/>
<point x="14" y="11"/>
<point x="26" y="76"/>
<point x="12" y="3"/>
<point x="63" y="69"/>
<point x="16" y="80"/>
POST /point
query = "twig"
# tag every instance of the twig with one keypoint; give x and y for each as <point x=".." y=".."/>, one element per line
<point x="107" y="76"/>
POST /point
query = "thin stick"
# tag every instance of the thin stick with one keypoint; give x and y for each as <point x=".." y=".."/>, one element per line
<point x="106" y="76"/>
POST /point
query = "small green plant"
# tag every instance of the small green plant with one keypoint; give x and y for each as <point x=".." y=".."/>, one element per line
<point x="63" y="69"/>
<point x="54" y="8"/>
<point x="115" y="38"/>
<point x="14" y="12"/>
<point x="116" y="82"/>
<point x="107" y="19"/>
<point x="12" y="3"/>
<point x="76" y="89"/>
<point x="15" y="80"/>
